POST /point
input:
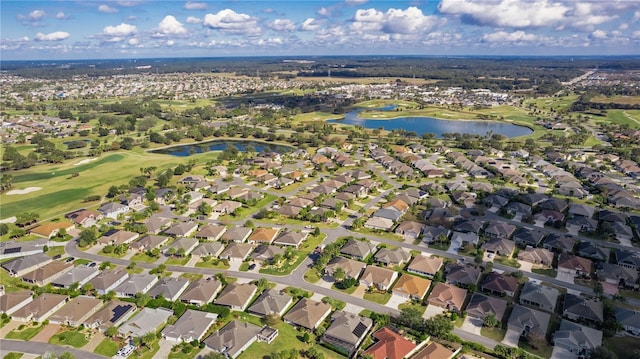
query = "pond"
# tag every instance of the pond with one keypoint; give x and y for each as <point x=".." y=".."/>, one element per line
<point x="436" y="126"/>
<point x="221" y="145"/>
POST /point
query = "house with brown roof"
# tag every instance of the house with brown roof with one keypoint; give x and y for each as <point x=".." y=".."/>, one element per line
<point x="236" y="234"/>
<point x="182" y="246"/>
<point x="351" y="268"/>
<point x="357" y="249"/>
<point x="436" y="351"/>
<point x="211" y="232"/>
<point x="425" y="265"/>
<point x="226" y="207"/>
<point x="500" y="284"/>
<point x="397" y="204"/>
<point x="84" y="217"/>
<point x="263" y="235"/>
<point x="574" y="265"/>
<point x="499" y="246"/>
<point x="481" y="305"/>
<point x="237" y="295"/>
<point x="12" y="301"/>
<point x="447" y="296"/>
<point x="47" y="273"/>
<point x="389" y="345"/>
<point x="411" y="287"/>
<point x="291" y="238"/>
<point x="271" y="301"/>
<point x="462" y="275"/>
<point x="149" y="242"/>
<point x="500" y="229"/>
<point x="410" y="229"/>
<point x="581" y="308"/>
<point x="201" y="291"/>
<point x="76" y="311"/>
<point x="308" y="313"/>
<point x="40" y="308"/>
<point x="236" y="251"/>
<point x="112" y="314"/>
<point x="378" y="277"/>
<point x="108" y="280"/>
<point x="539" y="256"/>
<point x="156" y="224"/>
<point x="51" y="229"/>
<point x="182" y="229"/>
<point x="117" y="237"/>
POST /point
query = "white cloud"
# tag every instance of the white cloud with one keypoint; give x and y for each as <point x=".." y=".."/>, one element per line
<point x="107" y="9"/>
<point x="507" y="13"/>
<point x="310" y="24"/>
<point x="120" y="30"/>
<point x="282" y="25"/>
<point x="54" y="36"/>
<point x="635" y="35"/>
<point x="61" y="15"/>
<point x="169" y="26"/>
<point x="324" y="11"/>
<point x="394" y="21"/>
<point x="276" y="41"/>
<point x="133" y="42"/>
<point x="355" y="2"/>
<point x="503" y="36"/>
<point x="131" y="18"/>
<point x="636" y="15"/>
<point x="623" y="26"/>
<point x="598" y="35"/>
<point x="232" y="22"/>
<point x="129" y="3"/>
<point x="36" y="15"/>
<point x="193" y="20"/>
<point x="192" y="5"/>
<point x="170" y="42"/>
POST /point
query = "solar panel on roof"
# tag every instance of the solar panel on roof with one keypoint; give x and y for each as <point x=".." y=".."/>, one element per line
<point x="119" y="311"/>
<point x="12" y="250"/>
<point x="359" y="330"/>
<point x="110" y="232"/>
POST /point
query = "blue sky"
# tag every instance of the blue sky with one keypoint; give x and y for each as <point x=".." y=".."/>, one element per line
<point x="59" y="30"/>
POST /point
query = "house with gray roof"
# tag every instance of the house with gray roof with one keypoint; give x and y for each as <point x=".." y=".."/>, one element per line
<point x="462" y="275"/>
<point x="201" y="291"/>
<point x="582" y="224"/>
<point x="169" y="288"/>
<point x="526" y="320"/>
<point x="80" y="274"/>
<point x="114" y="313"/>
<point x="392" y="257"/>
<point x="237" y="295"/>
<point x="619" y="276"/>
<point x="346" y="332"/>
<point x="592" y="251"/>
<point x="113" y="209"/>
<point x="211" y="232"/>
<point x="266" y="252"/>
<point x="183" y="246"/>
<point x="431" y="234"/>
<point x="481" y="305"/>
<point x="233" y="338"/>
<point x="539" y="296"/>
<point x="212" y="249"/>
<point x="182" y="229"/>
<point x="308" y="313"/>
<point x="192" y="325"/>
<point x="500" y="229"/>
<point x="499" y="246"/>
<point x="236" y="234"/>
<point x="357" y="249"/>
<point x="156" y="224"/>
<point x="528" y="237"/>
<point x="146" y="321"/>
<point x="271" y="301"/>
<point x="136" y="283"/>
<point x="581" y="210"/>
<point x="560" y="243"/>
<point x="290" y="238"/>
<point x="579" y="308"/>
<point x="410" y="229"/>
<point x="23" y="265"/>
<point x="13" y="249"/>
<point x="381" y="278"/>
<point x="628" y="319"/>
<point x="149" y="242"/>
<point x="236" y="251"/>
<point x="352" y="268"/>
<point x="539" y="256"/>
<point x="629" y="259"/>
<point x="108" y="280"/>
<point x="578" y="339"/>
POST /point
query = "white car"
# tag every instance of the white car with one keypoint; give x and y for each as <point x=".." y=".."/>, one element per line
<point x="125" y="351"/>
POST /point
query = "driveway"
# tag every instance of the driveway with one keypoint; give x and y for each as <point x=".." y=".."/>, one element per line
<point x="472" y="325"/>
<point x="9" y="327"/>
<point x="511" y="338"/>
<point x="432" y="311"/>
<point x="565" y="277"/>
<point x="46" y="333"/>
<point x="561" y="353"/>
<point x="234" y="265"/>
<point x="395" y="301"/>
<point x="359" y="292"/>
<point x="525" y="266"/>
<point x="165" y="349"/>
<point x="325" y="282"/>
<point x="352" y="308"/>
<point x="453" y="248"/>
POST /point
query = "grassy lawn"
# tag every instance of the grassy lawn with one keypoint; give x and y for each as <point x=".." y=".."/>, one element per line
<point x="179" y="354"/>
<point x="107" y="347"/>
<point x="335" y="303"/>
<point x="543" y="352"/>
<point x="511" y="262"/>
<point x="419" y="307"/>
<point x="312" y="276"/>
<point x="347" y="291"/>
<point x="630" y="294"/>
<point x="496" y="334"/>
<point x="143" y="258"/>
<point x="218" y="265"/>
<point x="288" y="338"/>
<point x="13" y="355"/>
<point x="145" y="353"/>
<point x="72" y="338"/>
<point x="548" y="272"/>
<point x="285" y="269"/>
<point x="245" y="212"/>
<point x="25" y="334"/>
<point x="440" y="245"/>
<point x="380" y="298"/>
<point x="178" y="261"/>
<point x="55" y="251"/>
<point x="623" y="347"/>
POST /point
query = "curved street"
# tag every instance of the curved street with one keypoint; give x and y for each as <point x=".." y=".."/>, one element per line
<point x="19" y="346"/>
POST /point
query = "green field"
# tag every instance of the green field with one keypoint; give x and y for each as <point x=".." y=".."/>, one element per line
<point x="107" y="347"/>
<point x="72" y="338"/>
<point x="25" y="334"/>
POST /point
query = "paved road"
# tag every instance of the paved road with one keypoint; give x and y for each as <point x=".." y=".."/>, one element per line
<point x="489" y="343"/>
<point x="19" y="346"/>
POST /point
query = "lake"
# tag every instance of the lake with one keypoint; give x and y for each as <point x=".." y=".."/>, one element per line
<point x="436" y="126"/>
<point x="221" y="145"/>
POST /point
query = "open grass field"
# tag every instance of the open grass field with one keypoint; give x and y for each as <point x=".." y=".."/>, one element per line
<point x="71" y="337"/>
<point x="367" y="80"/>
<point x="624" y="100"/>
<point x="26" y="333"/>
<point x="621" y="117"/>
<point x="107" y="347"/>
<point x="623" y="347"/>
<point x="315" y="116"/>
<point x="548" y="103"/>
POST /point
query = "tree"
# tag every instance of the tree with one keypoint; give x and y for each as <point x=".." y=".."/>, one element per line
<point x="490" y="321"/>
<point x="142" y="299"/>
<point x="411" y="317"/>
<point x="536" y="339"/>
<point x="602" y="353"/>
<point x="87" y="237"/>
<point x="339" y="274"/>
<point x="213" y="355"/>
<point x="4" y="229"/>
<point x="111" y="332"/>
<point x="438" y="326"/>
<point x="272" y="319"/>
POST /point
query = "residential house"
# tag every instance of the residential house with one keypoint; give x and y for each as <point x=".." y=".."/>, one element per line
<point x="182" y="229"/>
<point x="12" y="301"/>
<point x="201" y="291"/>
<point x="592" y="251"/>
<point x="500" y="284"/>
<point x="578" y="339"/>
<point x="236" y="251"/>
<point x="147" y="320"/>
<point x="389" y="345"/>
<point x="357" y="249"/>
<point x="113" y="209"/>
<point x="291" y="239"/>
<point x="269" y="302"/>
<point x="539" y="296"/>
<point x="183" y="246"/>
<point x="467" y="226"/>
<point x="499" y="246"/>
<point x="308" y="313"/>
<point x="528" y="237"/>
<point x="211" y="232"/>
<point x="113" y="314"/>
<point x="263" y="235"/>
<point x="410" y="229"/>
<point x="436" y="351"/>
<point x="237" y="296"/>
<point x="14" y="249"/>
<point x="517" y="209"/>
<point x="226" y="207"/>
<point x="346" y="332"/>
<point x="351" y="268"/>
<point x="381" y="278"/>
<point x="538" y="256"/>
<point x="573" y="265"/>
<point x="462" y="275"/>
<point x="626" y="258"/>
<point x="425" y="265"/>
<point x="579" y="308"/>
<point x="116" y="237"/>
<point x="499" y="229"/>
<point x="379" y="223"/>
<point x="581" y="224"/>
<point x="411" y="287"/>
<point x="233" y="339"/>
<point x="266" y="252"/>
<point x="628" y="319"/>
<point x="212" y="249"/>
<point x="581" y="210"/>
<point x="525" y="320"/>
<point x="108" y="280"/>
<point x="560" y="243"/>
<point x="447" y="296"/>
<point x="169" y="288"/>
<point x="80" y="274"/>
<point x="392" y="257"/>
<point x="136" y="283"/>
<point x="618" y="276"/>
<point x="47" y="273"/>
<point x="192" y="325"/>
<point x="23" y="265"/>
<point x="84" y="217"/>
<point x="40" y="308"/>
<point x="481" y="305"/>
<point x="236" y="234"/>
<point x="76" y="311"/>
<point x="149" y="242"/>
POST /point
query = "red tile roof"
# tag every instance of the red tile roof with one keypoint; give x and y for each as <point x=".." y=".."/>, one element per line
<point x="390" y="345"/>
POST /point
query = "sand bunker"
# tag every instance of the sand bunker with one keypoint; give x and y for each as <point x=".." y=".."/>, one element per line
<point x="85" y="161"/>
<point x="23" y="191"/>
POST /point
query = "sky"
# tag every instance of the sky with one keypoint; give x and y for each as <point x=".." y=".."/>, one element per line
<point x="61" y="30"/>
